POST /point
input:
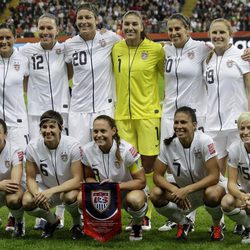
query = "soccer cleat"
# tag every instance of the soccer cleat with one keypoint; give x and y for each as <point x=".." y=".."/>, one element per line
<point x="10" y="226"/>
<point x="77" y="232"/>
<point x="19" y="230"/>
<point x="246" y="236"/>
<point x="129" y="226"/>
<point x="217" y="233"/>
<point x="40" y="224"/>
<point x="146" y="224"/>
<point x="136" y="233"/>
<point x="223" y="226"/>
<point x="182" y="231"/>
<point x="61" y="224"/>
<point x="238" y="229"/>
<point x="168" y="226"/>
<point x="49" y="229"/>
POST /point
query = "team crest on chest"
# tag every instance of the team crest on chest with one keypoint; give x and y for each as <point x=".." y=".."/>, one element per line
<point x="100" y="199"/>
<point x="144" y="55"/>
<point x="64" y="156"/>
<point x="7" y="164"/>
<point x="17" y="66"/>
<point x="230" y="63"/>
<point x="190" y="55"/>
<point x="102" y="43"/>
<point x="58" y="51"/>
<point x="197" y="153"/>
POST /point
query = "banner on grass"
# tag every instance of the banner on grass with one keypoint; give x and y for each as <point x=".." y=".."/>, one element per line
<point x="101" y="210"/>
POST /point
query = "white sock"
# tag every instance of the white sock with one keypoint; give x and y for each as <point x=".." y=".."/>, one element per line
<point x="139" y="214"/>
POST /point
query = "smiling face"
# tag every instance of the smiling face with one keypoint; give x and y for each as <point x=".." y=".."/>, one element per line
<point x="47" y="31"/>
<point x="132" y="28"/>
<point x="184" y="128"/>
<point x="220" y="36"/>
<point x="51" y="133"/>
<point x="7" y="41"/>
<point x="103" y="134"/>
<point x="86" y="23"/>
<point x="244" y="130"/>
<point x="178" y="32"/>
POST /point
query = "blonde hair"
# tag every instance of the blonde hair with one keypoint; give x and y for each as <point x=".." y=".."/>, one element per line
<point x="245" y="116"/>
<point x="229" y="28"/>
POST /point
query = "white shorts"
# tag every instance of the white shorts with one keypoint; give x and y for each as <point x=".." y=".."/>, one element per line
<point x="223" y="139"/>
<point x="34" y="121"/>
<point x="167" y="126"/>
<point x="19" y="135"/>
<point x="54" y="199"/>
<point x="196" y="198"/>
<point x="81" y="124"/>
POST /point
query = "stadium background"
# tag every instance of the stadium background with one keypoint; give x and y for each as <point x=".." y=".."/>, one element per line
<point x="24" y="14"/>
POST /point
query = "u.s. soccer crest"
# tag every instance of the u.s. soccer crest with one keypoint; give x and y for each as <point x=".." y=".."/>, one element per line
<point x="64" y="156"/>
<point x="17" y="65"/>
<point x="100" y="200"/>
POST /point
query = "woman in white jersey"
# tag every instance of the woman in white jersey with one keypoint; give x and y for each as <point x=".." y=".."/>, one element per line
<point x="108" y="158"/>
<point x="11" y="170"/>
<point x="191" y="157"/>
<point x="57" y="158"/>
<point x="48" y="86"/>
<point x="236" y="204"/>
<point x="14" y="72"/>
<point x="228" y="84"/>
<point x="93" y="80"/>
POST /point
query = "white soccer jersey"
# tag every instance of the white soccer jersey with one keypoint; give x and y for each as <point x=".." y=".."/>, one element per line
<point x="12" y="72"/>
<point x="188" y="164"/>
<point x="106" y="165"/>
<point x="239" y="158"/>
<point x="226" y="90"/>
<point x="184" y="84"/>
<point x="93" y="87"/>
<point x="48" y="86"/>
<point x="10" y="156"/>
<point x="54" y="166"/>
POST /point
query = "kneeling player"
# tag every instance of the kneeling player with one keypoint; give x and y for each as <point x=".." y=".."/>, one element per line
<point x="11" y="170"/>
<point x="56" y="158"/>
<point x="236" y="204"/>
<point x="191" y="158"/>
<point x="116" y="160"/>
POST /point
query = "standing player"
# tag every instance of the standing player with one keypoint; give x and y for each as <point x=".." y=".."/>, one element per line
<point x="56" y="157"/>
<point x="116" y="160"/>
<point x="11" y="169"/>
<point x="48" y="86"/>
<point x="191" y="158"/>
<point x="14" y="72"/>
<point x="228" y="85"/>
<point x="236" y="204"/>
<point x="93" y="81"/>
<point x="137" y="63"/>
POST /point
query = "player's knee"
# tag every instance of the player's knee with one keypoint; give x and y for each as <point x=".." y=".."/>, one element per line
<point x="213" y="195"/>
<point x="155" y="194"/>
<point x="13" y="201"/>
<point x="135" y="199"/>
<point x="28" y="201"/>
<point x="228" y="203"/>
<point x="70" y="197"/>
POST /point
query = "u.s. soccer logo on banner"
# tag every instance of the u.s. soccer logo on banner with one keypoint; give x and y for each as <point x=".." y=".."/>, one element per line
<point x="100" y="200"/>
<point x="101" y="210"/>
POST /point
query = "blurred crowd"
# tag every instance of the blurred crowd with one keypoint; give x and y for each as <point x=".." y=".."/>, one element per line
<point x="154" y="13"/>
